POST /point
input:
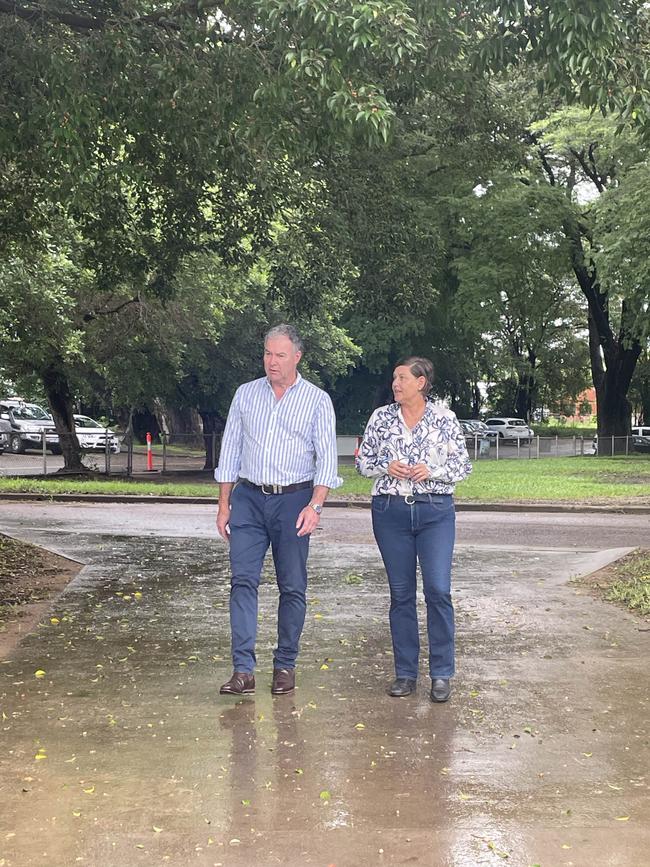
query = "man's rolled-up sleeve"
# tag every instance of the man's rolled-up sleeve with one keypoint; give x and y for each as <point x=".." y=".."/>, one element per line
<point x="231" y="444"/>
<point x="324" y="439"/>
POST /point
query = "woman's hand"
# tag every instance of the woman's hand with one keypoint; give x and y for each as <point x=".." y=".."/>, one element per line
<point x="399" y="470"/>
<point x="420" y="473"/>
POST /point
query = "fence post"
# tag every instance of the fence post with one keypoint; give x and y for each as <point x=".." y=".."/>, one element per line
<point x="518" y="446"/>
<point x="557" y="446"/>
<point x="164" y="445"/>
<point x="475" y="446"/>
<point x="44" y="436"/>
<point x="214" y="448"/>
<point x="497" y="442"/>
<point x="627" y="446"/>
<point x="537" y="453"/>
<point x="107" y="454"/>
<point x="129" y="458"/>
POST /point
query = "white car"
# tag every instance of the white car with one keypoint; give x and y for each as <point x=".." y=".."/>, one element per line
<point x="510" y="428"/>
<point x="92" y="436"/>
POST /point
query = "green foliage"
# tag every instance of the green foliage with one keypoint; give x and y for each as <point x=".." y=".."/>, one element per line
<point x="594" y="54"/>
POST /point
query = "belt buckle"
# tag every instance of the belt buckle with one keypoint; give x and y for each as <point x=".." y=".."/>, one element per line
<point x="275" y="489"/>
<point x="409" y="499"/>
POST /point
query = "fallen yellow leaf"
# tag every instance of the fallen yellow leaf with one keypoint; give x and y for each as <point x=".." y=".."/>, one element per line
<point x="621" y="818"/>
<point x="39" y="673"/>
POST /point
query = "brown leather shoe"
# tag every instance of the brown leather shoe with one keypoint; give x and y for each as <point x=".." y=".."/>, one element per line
<point x="241" y="683"/>
<point x="284" y="680"/>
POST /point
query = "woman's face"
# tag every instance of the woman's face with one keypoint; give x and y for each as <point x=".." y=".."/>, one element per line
<point x="406" y="387"/>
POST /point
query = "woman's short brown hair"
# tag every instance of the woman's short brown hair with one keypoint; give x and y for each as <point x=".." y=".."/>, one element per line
<point x="419" y="367"/>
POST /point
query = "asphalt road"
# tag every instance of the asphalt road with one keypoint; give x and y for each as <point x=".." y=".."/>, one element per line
<point x="567" y="531"/>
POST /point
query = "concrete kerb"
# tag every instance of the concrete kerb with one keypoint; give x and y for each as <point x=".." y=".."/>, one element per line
<point x="622" y="509"/>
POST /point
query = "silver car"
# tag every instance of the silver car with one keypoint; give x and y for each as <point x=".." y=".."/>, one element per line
<point x="27" y="424"/>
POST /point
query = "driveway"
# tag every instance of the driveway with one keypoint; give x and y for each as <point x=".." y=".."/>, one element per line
<point x="123" y="753"/>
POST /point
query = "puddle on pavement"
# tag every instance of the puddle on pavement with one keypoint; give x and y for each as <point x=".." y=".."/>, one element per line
<point x="122" y="751"/>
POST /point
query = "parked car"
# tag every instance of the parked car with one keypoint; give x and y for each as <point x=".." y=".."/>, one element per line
<point x="468" y="428"/>
<point x="92" y="435"/>
<point x="510" y="428"/>
<point x="475" y="438"/>
<point x="641" y="438"/>
<point x="27" y="423"/>
<point x="479" y="426"/>
<point x="5" y="431"/>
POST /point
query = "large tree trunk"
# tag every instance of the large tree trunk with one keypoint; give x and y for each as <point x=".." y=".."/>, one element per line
<point x="59" y="397"/>
<point x="613" y="358"/>
<point x="213" y="426"/>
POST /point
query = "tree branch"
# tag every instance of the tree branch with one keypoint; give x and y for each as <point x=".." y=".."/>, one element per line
<point x="89" y="317"/>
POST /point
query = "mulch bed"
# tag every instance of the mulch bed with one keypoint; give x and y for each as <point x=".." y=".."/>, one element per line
<point x="29" y="578"/>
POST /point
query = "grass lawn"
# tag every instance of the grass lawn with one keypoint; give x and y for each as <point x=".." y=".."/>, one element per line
<point x="581" y="479"/>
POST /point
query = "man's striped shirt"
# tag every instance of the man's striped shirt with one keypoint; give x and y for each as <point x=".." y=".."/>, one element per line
<point x="280" y="442"/>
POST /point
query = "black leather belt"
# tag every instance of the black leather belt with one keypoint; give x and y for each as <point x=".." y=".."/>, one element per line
<point x="279" y="489"/>
<point x="411" y="499"/>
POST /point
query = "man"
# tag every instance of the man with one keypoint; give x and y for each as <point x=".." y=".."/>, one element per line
<point x="278" y="461"/>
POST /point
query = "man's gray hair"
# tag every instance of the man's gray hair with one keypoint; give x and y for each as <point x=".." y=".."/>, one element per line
<point x="286" y="331"/>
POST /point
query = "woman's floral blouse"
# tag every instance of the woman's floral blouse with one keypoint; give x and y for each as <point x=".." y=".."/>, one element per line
<point x="437" y="440"/>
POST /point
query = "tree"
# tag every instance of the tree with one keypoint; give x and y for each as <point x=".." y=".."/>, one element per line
<point x="591" y="171"/>
<point x="515" y="287"/>
<point x="155" y="134"/>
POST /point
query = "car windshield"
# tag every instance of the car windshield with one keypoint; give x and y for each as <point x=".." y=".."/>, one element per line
<point x="84" y="421"/>
<point x="30" y="412"/>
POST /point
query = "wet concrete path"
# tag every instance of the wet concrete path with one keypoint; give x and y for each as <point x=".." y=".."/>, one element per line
<point x="122" y="752"/>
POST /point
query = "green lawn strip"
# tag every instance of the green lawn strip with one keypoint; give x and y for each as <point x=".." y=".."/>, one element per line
<point x="587" y="479"/>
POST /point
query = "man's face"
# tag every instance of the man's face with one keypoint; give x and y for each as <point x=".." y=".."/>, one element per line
<point x="280" y="361"/>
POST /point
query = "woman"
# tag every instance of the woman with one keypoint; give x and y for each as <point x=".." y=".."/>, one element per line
<point x="415" y="451"/>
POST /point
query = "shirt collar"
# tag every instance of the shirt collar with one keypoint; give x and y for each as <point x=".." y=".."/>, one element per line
<point x="293" y="384"/>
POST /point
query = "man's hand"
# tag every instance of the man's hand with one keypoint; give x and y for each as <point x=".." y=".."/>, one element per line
<point x="223" y="517"/>
<point x="399" y="470"/>
<point x="307" y="521"/>
<point x="223" y="513"/>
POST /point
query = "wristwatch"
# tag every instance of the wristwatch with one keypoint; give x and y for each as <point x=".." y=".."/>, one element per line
<point x="316" y="507"/>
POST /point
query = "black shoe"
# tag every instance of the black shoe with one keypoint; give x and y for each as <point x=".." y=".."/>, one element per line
<point x="440" y="689"/>
<point x="241" y="683"/>
<point x="402" y="686"/>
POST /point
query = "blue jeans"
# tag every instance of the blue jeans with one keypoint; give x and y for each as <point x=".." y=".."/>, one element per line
<point x="258" y="520"/>
<point x="406" y="534"/>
